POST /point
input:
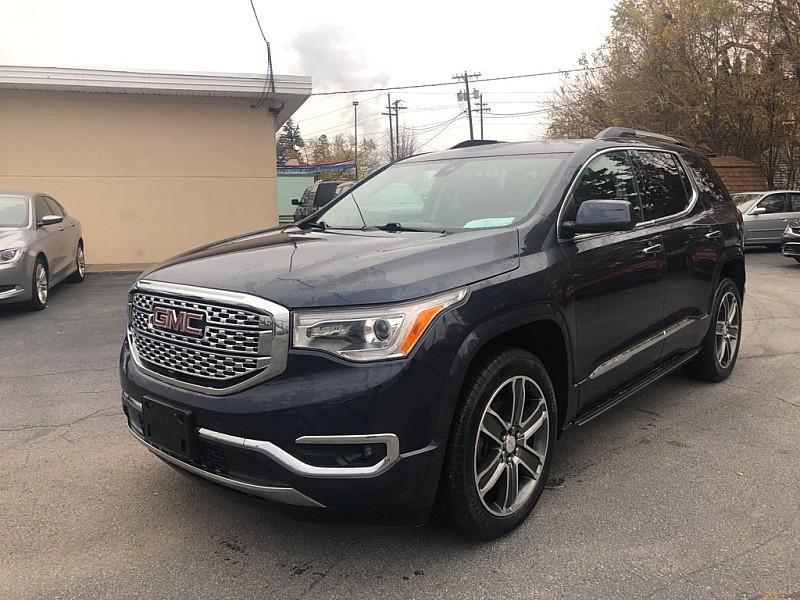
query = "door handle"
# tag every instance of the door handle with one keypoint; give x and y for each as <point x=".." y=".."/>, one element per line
<point x="714" y="234"/>
<point x="654" y="249"/>
<point x="784" y="219"/>
<point x="72" y="224"/>
<point x="61" y="228"/>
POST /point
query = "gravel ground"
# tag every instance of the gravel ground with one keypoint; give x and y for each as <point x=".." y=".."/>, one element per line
<point x="686" y="490"/>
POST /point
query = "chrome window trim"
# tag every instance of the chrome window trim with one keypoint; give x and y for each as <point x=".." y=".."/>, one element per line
<point x="281" y="332"/>
<point x="568" y="196"/>
<point x="298" y="467"/>
<point x="627" y="354"/>
<point x="285" y="495"/>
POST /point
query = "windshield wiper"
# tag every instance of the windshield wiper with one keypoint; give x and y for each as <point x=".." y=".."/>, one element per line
<point x="395" y="227"/>
<point x="321" y="225"/>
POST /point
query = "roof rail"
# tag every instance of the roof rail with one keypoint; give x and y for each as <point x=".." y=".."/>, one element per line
<point x="470" y="143"/>
<point x="612" y="133"/>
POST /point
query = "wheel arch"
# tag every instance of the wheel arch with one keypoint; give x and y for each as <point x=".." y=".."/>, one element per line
<point x="731" y="264"/>
<point x="540" y="329"/>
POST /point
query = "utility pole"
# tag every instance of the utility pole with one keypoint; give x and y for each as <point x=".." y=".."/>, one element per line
<point x="397" y="109"/>
<point x="355" y="133"/>
<point x="391" y="136"/>
<point x="465" y="78"/>
<point x="483" y="107"/>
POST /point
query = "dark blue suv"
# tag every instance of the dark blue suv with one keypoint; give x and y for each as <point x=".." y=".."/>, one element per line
<point x="425" y="338"/>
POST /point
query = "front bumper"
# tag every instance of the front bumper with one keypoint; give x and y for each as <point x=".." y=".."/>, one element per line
<point x="16" y="280"/>
<point x="791" y="244"/>
<point x="257" y="441"/>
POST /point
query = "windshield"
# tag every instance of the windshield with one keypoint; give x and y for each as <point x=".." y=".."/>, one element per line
<point x="461" y="193"/>
<point x="13" y="211"/>
<point x="745" y="201"/>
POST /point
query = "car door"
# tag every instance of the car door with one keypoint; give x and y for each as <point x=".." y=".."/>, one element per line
<point x="692" y="245"/>
<point x="767" y="220"/>
<point x="793" y="208"/>
<point x="67" y="235"/>
<point x="616" y="290"/>
<point x="48" y="239"/>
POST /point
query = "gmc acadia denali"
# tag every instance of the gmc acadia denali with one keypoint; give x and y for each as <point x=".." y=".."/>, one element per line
<point x="425" y="338"/>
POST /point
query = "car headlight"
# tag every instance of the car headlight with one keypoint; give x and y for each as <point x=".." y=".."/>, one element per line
<point x="10" y="255"/>
<point x="372" y="333"/>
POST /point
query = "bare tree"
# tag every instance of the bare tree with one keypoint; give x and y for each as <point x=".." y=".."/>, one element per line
<point x="722" y="74"/>
<point x="405" y="144"/>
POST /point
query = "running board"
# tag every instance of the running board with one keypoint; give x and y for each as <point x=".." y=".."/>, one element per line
<point x="636" y="386"/>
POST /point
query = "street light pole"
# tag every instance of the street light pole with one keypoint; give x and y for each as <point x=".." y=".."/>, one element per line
<point x="355" y="134"/>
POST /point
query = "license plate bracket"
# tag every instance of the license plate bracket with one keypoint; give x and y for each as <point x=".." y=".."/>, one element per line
<point x="168" y="427"/>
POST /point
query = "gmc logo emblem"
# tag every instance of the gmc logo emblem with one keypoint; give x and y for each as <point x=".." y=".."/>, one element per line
<point x="181" y="321"/>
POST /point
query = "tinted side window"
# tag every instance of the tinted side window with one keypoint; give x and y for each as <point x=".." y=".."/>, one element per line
<point x="41" y="207"/>
<point x="55" y="207"/>
<point x="774" y="203"/>
<point x="707" y="179"/>
<point x="794" y="202"/>
<point x="607" y="177"/>
<point x="325" y="193"/>
<point x="663" y="184"/>
<point x="305" y="196"/>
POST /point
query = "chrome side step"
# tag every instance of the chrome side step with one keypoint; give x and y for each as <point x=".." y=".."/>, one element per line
<point x="636" y="386"/>
<point x="284" y="495"/>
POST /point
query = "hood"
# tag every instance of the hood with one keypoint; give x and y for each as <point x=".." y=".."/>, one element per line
<point x="12" y="238"/>
<point x="304" y="269"/>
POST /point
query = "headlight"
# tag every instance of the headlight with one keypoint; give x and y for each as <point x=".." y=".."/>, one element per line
<point x="374" y="333"/>
<point x="10" y="255"/>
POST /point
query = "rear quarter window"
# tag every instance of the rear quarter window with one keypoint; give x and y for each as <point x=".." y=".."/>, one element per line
<point x="712" y="190"/>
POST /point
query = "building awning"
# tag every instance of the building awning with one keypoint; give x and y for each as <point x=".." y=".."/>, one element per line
<point x="290" y="90"/>
<point x="315" y="168"/>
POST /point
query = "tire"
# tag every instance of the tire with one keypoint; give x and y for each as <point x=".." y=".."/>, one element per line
<point x="715" y="362"/>
<point x="476" y="457"/>
<point x="80" y="265"/>
<point x="40" y="285"/>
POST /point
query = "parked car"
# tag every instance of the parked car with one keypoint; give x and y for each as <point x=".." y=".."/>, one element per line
<point x="791" y="241"/>
<point x="318" y="195"/>
<point x="766" y="215"/>
<point x="40" y="245"/>
<point x="385" y="356"/>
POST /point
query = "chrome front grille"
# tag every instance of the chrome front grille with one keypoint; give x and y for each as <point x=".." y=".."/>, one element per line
<point x="242" y="339"/>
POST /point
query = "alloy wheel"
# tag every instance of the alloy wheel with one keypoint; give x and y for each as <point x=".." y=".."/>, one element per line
<point x="81" y="262"/>
<point x="511" y="445"/>
<point x="42" y="284"/>
<point x="727" y="329"/>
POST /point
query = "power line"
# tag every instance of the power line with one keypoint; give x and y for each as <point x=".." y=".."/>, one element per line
<point x="341" y="109"/>
<point x="437" y="134"/>
<point x="442" y="83"/>
<point x="269" y="80"/>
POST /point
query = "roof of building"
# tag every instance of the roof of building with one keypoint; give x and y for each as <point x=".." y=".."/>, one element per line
<point x="291" y="90"/>
<point x="739" y="175"/>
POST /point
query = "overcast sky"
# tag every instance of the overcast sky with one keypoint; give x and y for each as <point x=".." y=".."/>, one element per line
<point x="342" y="45"/>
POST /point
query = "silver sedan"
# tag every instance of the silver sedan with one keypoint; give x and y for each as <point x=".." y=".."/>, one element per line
<point x="766" y="215"/>
<point x="40" y="245"/>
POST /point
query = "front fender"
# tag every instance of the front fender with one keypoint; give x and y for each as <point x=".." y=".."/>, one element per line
<point x="483" y="334"/>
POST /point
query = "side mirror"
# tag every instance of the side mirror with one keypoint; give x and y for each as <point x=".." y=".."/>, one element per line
<point x="758" y="210"/>
<point x="597" y="216"/>
<point x="49" y="220"/>
<point x="295" y="202"/>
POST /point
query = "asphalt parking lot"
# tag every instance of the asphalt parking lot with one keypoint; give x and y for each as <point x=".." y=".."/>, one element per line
<point x="687" y="490"/>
